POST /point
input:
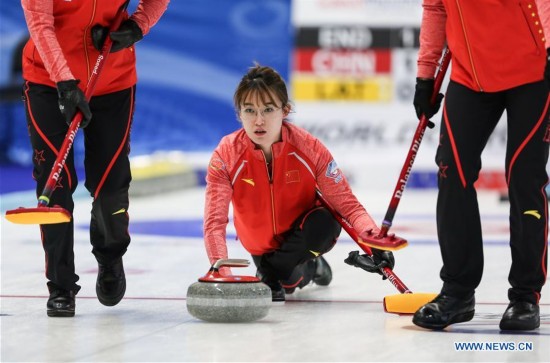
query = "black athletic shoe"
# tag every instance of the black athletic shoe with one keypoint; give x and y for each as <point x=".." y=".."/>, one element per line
<point x="323" y="272"/>
<point x="278" y="295"/>
<point x="289" y="290"/>
<point x="61" y="303"/>
<point x="277" y="290"/>
<point x="111" y="283"/>
<point x="520" y="315"/>
<point x="443" y="311"/>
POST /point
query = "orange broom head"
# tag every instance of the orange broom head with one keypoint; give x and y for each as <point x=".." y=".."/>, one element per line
<point x="388" y="243"/>
<point x="407" y="303"/>
<point x="38" y="215"/>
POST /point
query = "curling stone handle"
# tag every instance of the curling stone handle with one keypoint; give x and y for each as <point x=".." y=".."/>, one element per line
<point x="230" y="262"/>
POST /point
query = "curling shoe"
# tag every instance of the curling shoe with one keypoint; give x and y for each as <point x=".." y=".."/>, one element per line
<point x="289" y="289"/>
<point x="61" y="303"/>
<point x="443" y="311"/>
<point x="111" y="283"/>
<point x="278" y="295"/>
<point x="520" y="315"/>
<point x="277" y="290"/>
<point x="323" y="272"/>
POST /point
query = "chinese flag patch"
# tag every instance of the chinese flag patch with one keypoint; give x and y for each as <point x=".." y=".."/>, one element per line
<point x="292" y="176"/>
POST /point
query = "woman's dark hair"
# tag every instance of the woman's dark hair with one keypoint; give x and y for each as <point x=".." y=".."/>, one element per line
<point x="264" y="82"/>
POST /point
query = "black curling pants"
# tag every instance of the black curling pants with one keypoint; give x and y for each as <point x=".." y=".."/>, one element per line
<point x="107" y="167"/>
<point x="469" y="118"/>
<point x="313" y="234"/>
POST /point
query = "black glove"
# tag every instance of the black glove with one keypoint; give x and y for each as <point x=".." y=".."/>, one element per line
<point x="127" y="34"/>
<point x="423" y="99"/>
<point x="547" y="68"/>
<point x="72" y="98"/>
<point x="379" y="260"/>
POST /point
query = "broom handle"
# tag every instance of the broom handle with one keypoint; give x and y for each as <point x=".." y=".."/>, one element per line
<point x="67" y="144"/>
<point x="413" y="150"/>
<point x="386" y="271"/>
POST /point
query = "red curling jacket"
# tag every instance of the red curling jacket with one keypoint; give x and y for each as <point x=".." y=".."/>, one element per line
<point x="60" y="45"/>
<point x="264" y="208"/>
<point x="495" y="44"/>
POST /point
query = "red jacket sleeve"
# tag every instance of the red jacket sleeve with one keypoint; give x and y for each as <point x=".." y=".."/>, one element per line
<point x="432" y="37"/>
<point x="216" y="210"/>
<point x="335" y="187"/>
<point x="148" y="13"/>
<point x="543" y="7"/>
<point x="40" y="22"/>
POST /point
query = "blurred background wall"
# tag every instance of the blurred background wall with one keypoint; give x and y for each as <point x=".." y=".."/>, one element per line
<point x="188" y="67"/>
<point x="350" y="66"/>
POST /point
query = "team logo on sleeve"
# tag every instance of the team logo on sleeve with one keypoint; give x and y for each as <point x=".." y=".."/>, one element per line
<point x="333" y="172"/>
<point x="216" y="164"/>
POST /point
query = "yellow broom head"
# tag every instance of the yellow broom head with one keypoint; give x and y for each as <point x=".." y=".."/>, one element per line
<point x="39" y="215"/>
<point x="407" y="303"/>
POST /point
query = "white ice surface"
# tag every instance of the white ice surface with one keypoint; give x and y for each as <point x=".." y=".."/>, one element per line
<point x="342" y="322"/>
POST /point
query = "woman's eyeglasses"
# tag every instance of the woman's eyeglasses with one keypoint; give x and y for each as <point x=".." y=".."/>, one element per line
<point x="250" y="114"/>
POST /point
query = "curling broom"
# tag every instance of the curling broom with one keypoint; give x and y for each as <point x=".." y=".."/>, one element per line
<point x="405" y="303"/>
<point x="382" y="240"/>
<point x="43" y="214"/>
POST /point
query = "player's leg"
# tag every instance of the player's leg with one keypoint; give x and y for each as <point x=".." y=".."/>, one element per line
<point x="526" y="159"/>
<point x="312" y="235"/>
<point x="469" y="118"/>
<point x="108" y="176"/>
<point x="47" y="129"/>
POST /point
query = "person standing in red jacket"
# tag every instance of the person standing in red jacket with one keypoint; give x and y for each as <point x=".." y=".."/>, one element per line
<point x="269" y="170"/>
<point x="499" y="58"/>
<point x="65" y="38"/>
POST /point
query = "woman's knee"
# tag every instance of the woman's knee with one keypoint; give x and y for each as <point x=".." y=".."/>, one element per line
<point x="321" y="230"/>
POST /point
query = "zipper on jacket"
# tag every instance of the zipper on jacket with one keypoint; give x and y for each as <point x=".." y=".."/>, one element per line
<point x="270" y="178"/>
<point x="474" y="73"/>
<point x="273" y="209"/>
<point x="86" y="55"/>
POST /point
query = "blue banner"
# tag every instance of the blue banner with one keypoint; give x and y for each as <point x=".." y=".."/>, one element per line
<point x="188" y="68"/>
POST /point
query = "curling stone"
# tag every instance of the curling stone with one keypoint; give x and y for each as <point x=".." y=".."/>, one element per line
<point x="228" y="299"/>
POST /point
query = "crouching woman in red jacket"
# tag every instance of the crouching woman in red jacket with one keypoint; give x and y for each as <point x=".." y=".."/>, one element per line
<point x="269" y="170"/>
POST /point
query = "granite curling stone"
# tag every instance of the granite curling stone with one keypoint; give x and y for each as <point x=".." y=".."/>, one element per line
<point x="228" y="299"/>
